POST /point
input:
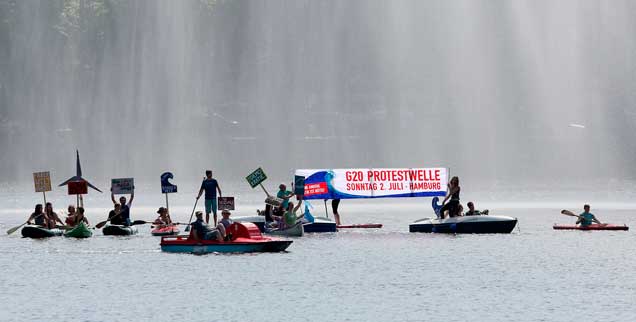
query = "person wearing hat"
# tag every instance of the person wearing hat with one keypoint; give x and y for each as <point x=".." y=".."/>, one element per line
<point x="284" y="194"/>
<point x="225" y="220"/>
<point x="164" y="217"/>
<point x="201" y="231"/>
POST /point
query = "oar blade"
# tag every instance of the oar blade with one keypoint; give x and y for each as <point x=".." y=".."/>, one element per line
<point x="12" y="230"/>
<point x="101" y="224"/>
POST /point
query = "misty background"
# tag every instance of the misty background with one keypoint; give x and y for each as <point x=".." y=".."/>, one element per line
<point x="516" y="92"/>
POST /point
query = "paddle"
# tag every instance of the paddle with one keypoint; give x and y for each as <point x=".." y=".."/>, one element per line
<point x="192" y="214"/>
<point x="101" y="224"/>
<point x="569" y="213"/>
<point x="12" y="230"/>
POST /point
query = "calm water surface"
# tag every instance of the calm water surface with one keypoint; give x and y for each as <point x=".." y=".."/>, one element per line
<point x="533" y="274"/>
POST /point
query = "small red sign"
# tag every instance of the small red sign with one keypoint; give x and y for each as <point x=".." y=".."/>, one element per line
<point x="315" y="188"/>
<point x="77" y="188"/>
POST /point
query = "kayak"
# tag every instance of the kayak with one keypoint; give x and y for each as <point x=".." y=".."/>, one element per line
<point x="79" y="231"/>
<point x="119" y="230"/>
<point x="360" y="226"/>
<point x="294" y="231"/>
<point x="35" y="231"/>
<point x="165" y="230"/>
<point x="591" y="227"/>
<point x="245" y="238"/>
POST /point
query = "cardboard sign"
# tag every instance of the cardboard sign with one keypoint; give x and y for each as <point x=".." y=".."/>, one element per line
<point x="42" y="181"/>
<point x="122" y="186"/>
<point x="77" y="188"/>
<point x="166" y="186"/>
<point x="226" y="203"/>
<point x="257" y="177"/>
<point x="273" y="201"/>
<point x="299" y="185"/>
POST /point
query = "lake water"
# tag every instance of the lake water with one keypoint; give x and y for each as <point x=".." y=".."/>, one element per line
<point x="533" y="274"/>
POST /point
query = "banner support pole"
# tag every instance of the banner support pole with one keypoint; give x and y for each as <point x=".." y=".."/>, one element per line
<point x="166" y="200"/>
<point x="44" y="194"/>
<point x="326" y="213"/>
<point x="267" y="193"/>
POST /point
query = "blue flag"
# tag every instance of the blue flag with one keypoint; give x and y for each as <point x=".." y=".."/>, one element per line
<point x="308" y="215"/>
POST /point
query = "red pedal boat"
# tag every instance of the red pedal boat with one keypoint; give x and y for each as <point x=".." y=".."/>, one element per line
<point x="245" y="238"/>
<point x="591" y="227"/>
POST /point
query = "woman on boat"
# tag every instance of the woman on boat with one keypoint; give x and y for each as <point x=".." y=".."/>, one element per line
<point x="52" y="216"/>
<point x="164" y="217"/>
<point x="79" y="217"/>
<point x="70" y="219"/>
<point x="38" y="216"/>
<point x="453" y="194"/>
<point x="289" y="219"/>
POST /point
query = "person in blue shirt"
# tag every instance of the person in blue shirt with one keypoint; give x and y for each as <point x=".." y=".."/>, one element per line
<point x="586" y="218"/>
<point x="124" y="209"/>
<point x="284" y="194"/>
<point x="210" y="186"/>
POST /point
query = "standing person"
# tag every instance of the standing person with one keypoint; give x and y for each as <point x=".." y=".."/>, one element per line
<point x="52" y="216"/>
<point x="284" y="194"/>
<point x="124" y="210"/>
<point x="453" y="193"/>
<point x="586" y="218"/>
<point x="211" y="186"/>
<point x="38" y="216"/>
<point x="334" y="208"/>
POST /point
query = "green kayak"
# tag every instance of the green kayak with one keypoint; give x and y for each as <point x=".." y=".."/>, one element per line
<point x="79" y="231"/>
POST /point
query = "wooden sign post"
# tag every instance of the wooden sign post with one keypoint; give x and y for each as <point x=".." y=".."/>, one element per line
<point x="42" y="181"/>
<point x="166" y="186"/>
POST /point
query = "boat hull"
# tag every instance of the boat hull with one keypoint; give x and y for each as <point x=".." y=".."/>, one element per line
<point x="79" y="231"/>
<point x="320" y="224"/>
<point x="33" y="231"/>
<point x="165" y="231"/>
<point x="466" y="225"/>
<point x="591" y="227"/>
<point x="118" y="230"/>
<point x="246" y="238"/>
<point x="295" y="231"/>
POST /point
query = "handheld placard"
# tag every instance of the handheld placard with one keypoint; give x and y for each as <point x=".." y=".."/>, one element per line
<point x="122" y="186"/>
<point x="42" y="182"/>
<point x="166" y="186"/>
<point x="256" y="178"/>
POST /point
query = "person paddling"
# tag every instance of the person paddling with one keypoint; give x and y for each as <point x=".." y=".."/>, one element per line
<point x="164" y="217"/>
<point x="114" y="217"/>
<point x="52" y="216"/>
<point x="200" y="231"/>
<point x="210" y="186"/>
<point x="124" y="214"/>
<point x="38" y="217"/>
<point x="586" y="218"/>
<point x="453" y="193"/>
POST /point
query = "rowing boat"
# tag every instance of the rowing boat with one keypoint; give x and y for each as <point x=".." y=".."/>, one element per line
<point x="293" y="231"/>
<point x="35" y="231"/>
<point x="119" y="230"/>
<point x="79" y="231"/>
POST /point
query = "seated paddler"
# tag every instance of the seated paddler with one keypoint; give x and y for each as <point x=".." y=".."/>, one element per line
<point x="200" y="231"/>
<point x="586" y="218"/>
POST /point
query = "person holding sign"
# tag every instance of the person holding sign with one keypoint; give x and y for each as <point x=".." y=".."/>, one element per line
<point x="284" y="194"/>
<point x="453" y="193"/>
<point x="124" y="209"/>
<point x="38" y="216"/>
<point x="210" y="186"/>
